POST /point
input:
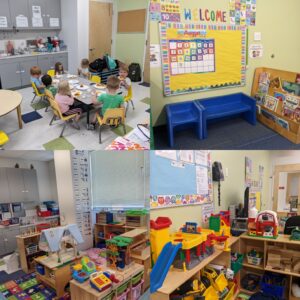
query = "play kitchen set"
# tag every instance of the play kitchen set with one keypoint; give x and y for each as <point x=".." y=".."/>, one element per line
<point x="259" y="260"/>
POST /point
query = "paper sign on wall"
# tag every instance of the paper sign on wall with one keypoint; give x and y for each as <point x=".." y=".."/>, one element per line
<point x="155" y="58"/>
<point x="37" y="22"/>
<point x="36" y="12"/>
<point x="54" y="22"/>
<point x="207" y="211"/>
<point x="3" y="22"/>
<point x="256" y="51"/>
<point x="21" y="21"/>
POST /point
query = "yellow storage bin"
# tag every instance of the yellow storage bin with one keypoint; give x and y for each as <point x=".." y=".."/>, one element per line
<point x="221" y="282"/>
<point x="230" y="294"/>
<point x="211" y="294"/>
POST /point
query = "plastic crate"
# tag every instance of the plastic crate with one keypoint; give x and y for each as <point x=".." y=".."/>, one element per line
<point x="124" y="295"/>
<point x="30" y="249"/>
<point x="122" y="288"/>
<point x="110" y="296"/>
<point x="137" y="278"/>
<point x="230" y="294"/>
<point x="273" y="284"/>
<point x="238" y="264"/>
<point x="256" y="261"/>
<point x="137" y="291"/>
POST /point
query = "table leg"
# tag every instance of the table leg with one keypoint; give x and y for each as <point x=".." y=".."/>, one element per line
<point x="19" y="117"/>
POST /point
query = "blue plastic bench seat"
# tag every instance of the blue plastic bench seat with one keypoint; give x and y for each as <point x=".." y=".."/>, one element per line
<point x="181" y="116"/>
<point x="226" y="106"/>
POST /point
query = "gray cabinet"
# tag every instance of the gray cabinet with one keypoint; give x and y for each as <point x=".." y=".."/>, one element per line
<point x="19" y="8"/>
<point x="15" y="184"/>
<point x="53" y="11"/>
<point x="22" y="185"/>
<point x="4" y="194"/>
<point x="15" y="72"/>
<point x="2" y="243"/>
<point x="41" y="4"/>
<point x="5" y="12"/>
<point x="61" y="57"/>
<point x="10" y="74"/>
<point x="25" y="66"/>
<point x="10" y="241"/>
<point x="30" y="186"/>
<point x="44" y="62"/>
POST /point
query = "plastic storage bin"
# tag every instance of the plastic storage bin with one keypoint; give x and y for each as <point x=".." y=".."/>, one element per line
<point x="273" y="284"/>
<point x="124" y="295"/>
<point x="137" y="291"/>
<point x="40" y="269"/>
<point x="255" y="260"/>
<point x="230" y="294"/>
<point x="110" y="296"/>
<point x="237" y="265"/>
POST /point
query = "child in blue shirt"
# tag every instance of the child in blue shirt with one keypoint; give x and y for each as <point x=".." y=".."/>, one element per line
<point x="36" y="73"/>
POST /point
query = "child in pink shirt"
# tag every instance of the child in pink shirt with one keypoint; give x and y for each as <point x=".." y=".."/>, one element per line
<point x="65" y="102"/>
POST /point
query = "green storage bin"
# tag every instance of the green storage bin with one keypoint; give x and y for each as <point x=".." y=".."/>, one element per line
<point x="137" y="278"/>
<point x="122" y="288"/>
<point x="110" y="296"/>
<point x="238" y="264"/>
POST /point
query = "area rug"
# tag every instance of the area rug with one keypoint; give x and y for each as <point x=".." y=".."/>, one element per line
<point x="58" y="144"/>
<point x="30" y="117"/>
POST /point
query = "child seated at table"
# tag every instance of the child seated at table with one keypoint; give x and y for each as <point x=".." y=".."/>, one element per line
<point x="109" y="100"/>
<point x="66" y="102"/>
<point x="47" y="81"/>
<point x="125" y="82"/>
<point x="59" y="68"/>
<point x="83" y="71"/>
<point x="36" y="73"/>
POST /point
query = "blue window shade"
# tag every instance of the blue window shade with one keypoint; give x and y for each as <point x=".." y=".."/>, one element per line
<point x="119" y="179"/>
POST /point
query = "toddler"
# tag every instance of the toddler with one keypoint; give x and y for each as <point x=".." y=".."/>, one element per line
<point x="83" y="71"/>
<point x="59" y="69"/>
<point x="125" y="82"/>
<point x="36" y="73"/>
<point x="47" y="81"/>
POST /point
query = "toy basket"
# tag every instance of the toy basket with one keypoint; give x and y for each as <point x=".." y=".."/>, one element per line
<point x="124" y="295"/>
<point x="110" y="296"/>
<point x="237" y="265"/>
<point x="123" y="288"/>
<point x="255" y="260"/>
<point x="273" y="284"/>
<point x="230" y="294"/>
<point x="30" y="249"/>
<point x="137" y="278"/>
<point x="137" y="291"/>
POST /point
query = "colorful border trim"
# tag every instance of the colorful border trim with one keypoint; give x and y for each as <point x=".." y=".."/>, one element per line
<point x="165" y="56"/>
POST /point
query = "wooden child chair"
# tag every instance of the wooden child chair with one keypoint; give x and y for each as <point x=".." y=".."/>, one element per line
<point x="112" y="117"/>
<point x="57" y="113"/>
<point x="128" y="99"/>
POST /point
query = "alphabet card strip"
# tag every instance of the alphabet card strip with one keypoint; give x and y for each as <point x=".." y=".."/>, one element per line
<point x="242" y="12"/>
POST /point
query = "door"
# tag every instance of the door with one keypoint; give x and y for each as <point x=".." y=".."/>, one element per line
<point x="37" y="12"/>
<point x="15" y="184"/>
<point x="5" y="12"/>
<point x="10" y="74"/>
<point x="100" y="36"/>
<point x="44" y="63"/>
<point x="53" y="14"/>
<point x="25" y="66"/>
<point x="4" y="194"/>
<point x="30" y="186"/>
<point x="146" y="77"/>
<point x="19" y="8"/>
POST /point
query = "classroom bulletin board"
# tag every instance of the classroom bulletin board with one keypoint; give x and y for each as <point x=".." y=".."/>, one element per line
<point x="199" y="57"/>
<point x="132" y="21"/>
<point x="180" y="178"/>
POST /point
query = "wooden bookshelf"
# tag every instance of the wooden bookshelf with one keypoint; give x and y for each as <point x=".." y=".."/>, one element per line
<point x="293" y="134"/>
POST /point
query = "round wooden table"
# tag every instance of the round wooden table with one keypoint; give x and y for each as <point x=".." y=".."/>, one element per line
<point x="9" y="101"/>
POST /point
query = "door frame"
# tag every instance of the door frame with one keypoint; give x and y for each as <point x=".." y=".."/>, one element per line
<point x="114" y="25"/>
<point x="147" y="27"/>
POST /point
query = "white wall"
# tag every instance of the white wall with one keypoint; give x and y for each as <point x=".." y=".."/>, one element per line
<point x="63" y="171"/>
<point x="75" y="30"/>
<point x="45" y="176"/>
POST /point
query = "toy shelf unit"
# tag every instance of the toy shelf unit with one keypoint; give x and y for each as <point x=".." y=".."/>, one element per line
<point x="137" y="218"/>
<point x="28" y="250"/>
<point x="102" y="232"/>
<point x="130" y="280"/>
<point x="278" y="103"/>
<point x="274" y="259"/>
<point x="202" y="277"/>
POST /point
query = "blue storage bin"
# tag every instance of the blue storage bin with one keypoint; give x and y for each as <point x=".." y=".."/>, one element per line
<point x="40" y="269"/>
<point x="273" y="284"/>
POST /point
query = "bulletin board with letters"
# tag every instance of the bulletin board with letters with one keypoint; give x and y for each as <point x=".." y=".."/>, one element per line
<point x="197" y="57"/>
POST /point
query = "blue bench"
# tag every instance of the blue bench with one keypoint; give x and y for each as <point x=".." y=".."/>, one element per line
<point x="181" y="116"/>
<point x="198" y="113"/>
<point x="226" y="106"/>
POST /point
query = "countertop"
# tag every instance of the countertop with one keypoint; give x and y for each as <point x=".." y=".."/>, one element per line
<point x="33" y="54"/>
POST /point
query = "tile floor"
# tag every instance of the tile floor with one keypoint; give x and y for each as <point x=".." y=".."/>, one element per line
<point x="36" y="134"/>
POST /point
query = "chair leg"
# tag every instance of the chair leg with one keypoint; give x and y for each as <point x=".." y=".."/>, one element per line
<point x="53" y="119"/>
<point x="126" y="110"/>
<point x="100" y="140"/>
<point x="33" y="98"/>
<point x="132" y="105"/>
<point x="62" y="132"/>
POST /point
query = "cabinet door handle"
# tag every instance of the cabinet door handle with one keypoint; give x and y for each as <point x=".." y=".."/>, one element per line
<point x="18" y="72"/>
<point x="23" y="71"/>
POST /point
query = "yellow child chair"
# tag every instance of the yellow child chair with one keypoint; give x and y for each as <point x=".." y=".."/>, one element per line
<point x="57" y="113"/>
<point x="51" y="73"/>
<point x="96" y="79"/>
<point x="128" y="99"/>
<point x="112" y="117"/>
<point x="36" y="92"/>
<point x="4" y="139"/>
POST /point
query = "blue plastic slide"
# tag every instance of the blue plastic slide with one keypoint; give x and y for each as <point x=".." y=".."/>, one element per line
<point x="162" y="265"/>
